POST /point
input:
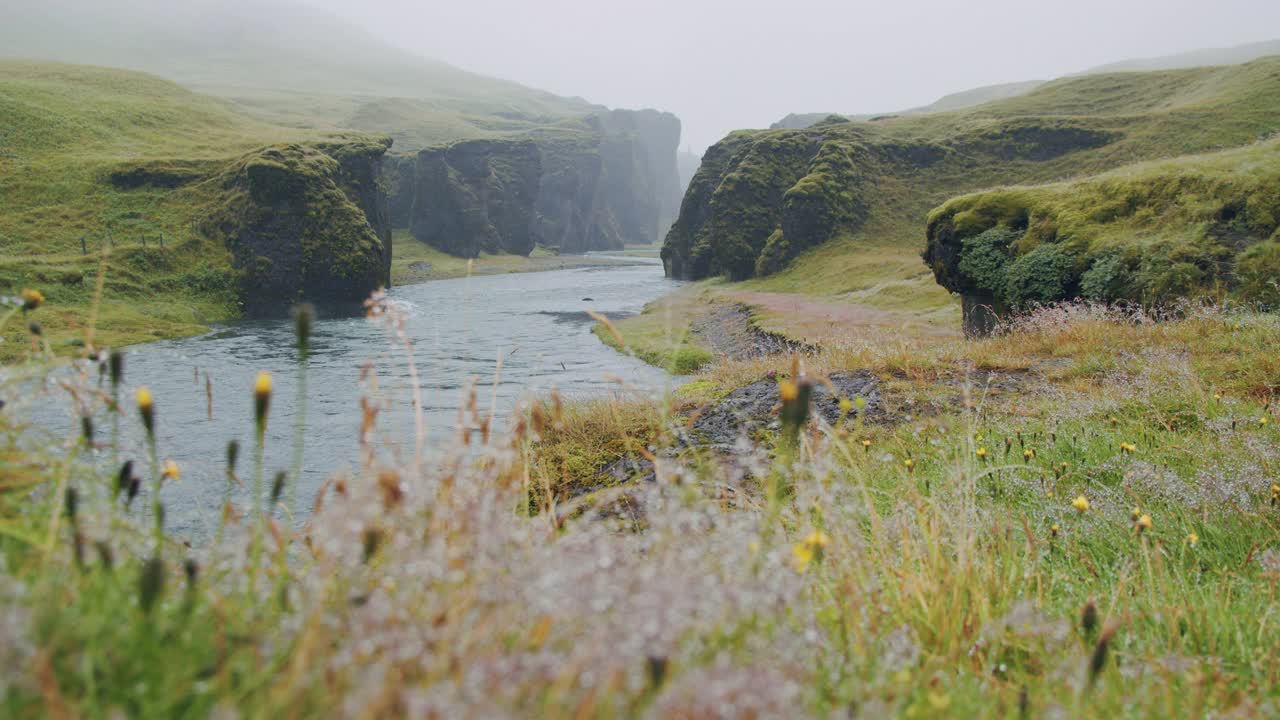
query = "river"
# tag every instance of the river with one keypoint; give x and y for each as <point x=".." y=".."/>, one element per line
<point x="535" y="322"/>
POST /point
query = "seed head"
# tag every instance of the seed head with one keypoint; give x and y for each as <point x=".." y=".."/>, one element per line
<point x="304" y="317"/>
<point x="277" y="486"/>
<point x="1081" y="503"/>
<point x="1089" y="619"/>
<point x="150" y="583"/>
<point x="31" y="299"/>
<point x="115" y="362"/>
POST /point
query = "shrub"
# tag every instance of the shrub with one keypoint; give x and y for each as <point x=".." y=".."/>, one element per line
<point x="1042" y="275"/>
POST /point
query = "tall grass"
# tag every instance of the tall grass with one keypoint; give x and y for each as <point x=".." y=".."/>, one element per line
<point x="485" y="583"/>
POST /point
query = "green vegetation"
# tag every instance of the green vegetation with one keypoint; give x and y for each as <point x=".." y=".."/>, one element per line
<point x="762" y="197"/>
<point x="1151" y="233"/>
<point x="110" y="160"/>
<point x="415" y="261"/>
<point x="661" y="334"/>
<point x="1077" y="518"/>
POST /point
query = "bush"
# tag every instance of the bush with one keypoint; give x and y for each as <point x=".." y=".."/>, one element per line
<point x="984" y="258"/>
<point x="1258" y="274"/>
<point x="1042" y="275"/>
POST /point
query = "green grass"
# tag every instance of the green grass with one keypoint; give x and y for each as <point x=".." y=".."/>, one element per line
<point x="763" y="198"/>
<point x="662" y="333"/>
<point x="413" y="261"/>
<point x="68" y="129"/>
<point x="834" y="576"/>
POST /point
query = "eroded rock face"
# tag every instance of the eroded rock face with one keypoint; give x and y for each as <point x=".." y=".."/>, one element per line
<point x="308" y="222"/>
<point x="477" y="196"/>
<point x="607" y="181"/>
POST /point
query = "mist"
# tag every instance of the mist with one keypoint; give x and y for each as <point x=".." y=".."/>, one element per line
<point x="726" y="64"/>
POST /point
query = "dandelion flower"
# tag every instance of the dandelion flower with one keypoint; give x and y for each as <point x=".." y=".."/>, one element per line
<point x="810" y="549"/>
<point x="1144" y="523"/>
<point x="982" y="453"/>
<point x="1053" y="530"/>
<point x="866" y="445"/>
<point x="32" y="299"/>
<point x="147" y="408"/>
<point x="1262" y="421"/>
<point x="261" y="398"/>
<point x="788" y="390"/>
<point x="1081" y="503"/>
<point x="1192" y="539"/>
<point x="171" y="471"/>
<point x="909" y="464"/>
<point x="1029" y="454"/>
<point x="1134" y="515"/>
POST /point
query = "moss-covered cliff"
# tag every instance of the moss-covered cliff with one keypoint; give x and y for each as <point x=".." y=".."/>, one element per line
<point x="1151" y="233"/>
<point x="477" y="196"/>
<point x="762" y="197"/>
<point x="307" y="222"/>
<point x="595" y="183"/>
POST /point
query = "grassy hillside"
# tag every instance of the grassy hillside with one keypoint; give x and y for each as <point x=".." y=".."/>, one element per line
<point x="766" y="196"/>
<point x="287" y="64"/>
<point x="123" y="161"/>
<point x="1235" y="55"/>
<point x="1149" y="233"/>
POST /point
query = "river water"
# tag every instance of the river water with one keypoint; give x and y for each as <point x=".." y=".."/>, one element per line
<point x="535" y="322"/>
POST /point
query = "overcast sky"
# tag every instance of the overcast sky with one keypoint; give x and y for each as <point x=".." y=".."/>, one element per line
<point x="726" y="64"/>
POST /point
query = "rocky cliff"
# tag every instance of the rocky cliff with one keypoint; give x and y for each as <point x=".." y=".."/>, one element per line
<point x="762" y="197"/>
<point x="307" y="222"/>
<point x="601" y="183"/>
<point x="477" y="196"/>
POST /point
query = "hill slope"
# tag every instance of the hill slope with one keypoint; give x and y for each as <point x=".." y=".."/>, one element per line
<point x="763" y="197"/>
<point x="176" y="187"/>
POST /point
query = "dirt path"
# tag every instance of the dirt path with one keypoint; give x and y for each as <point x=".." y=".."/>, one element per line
<point x="727" y="329"/>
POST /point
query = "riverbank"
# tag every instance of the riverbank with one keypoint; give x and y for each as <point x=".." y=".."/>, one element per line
<point x="414" y="262"/>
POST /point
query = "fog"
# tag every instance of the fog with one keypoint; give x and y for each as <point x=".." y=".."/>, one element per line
<point x="725" y="64"/>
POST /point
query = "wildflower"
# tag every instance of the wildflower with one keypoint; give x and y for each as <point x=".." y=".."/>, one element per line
<point x="1144" y="523"/>
<point x="795" y="406"/>
<point x="261" y="399"/>
<point x="1081" y="503"/>
<point x="1134" y="515"/>
<point x="1128" y="447"/>
<point x="171" y="471"/>
<point x="1262" y="421"/>
<point x="810" y="549"/>
<point x="32" y="299"/>
<point x="1217" y="397"/>
<point x="1053" y="530"/>
<point x="1275" y="494"/>
<point x="866" y="445"/>
<point x="1029" y="454"/>
<point x="147" y="408"/>
<point x="846" y="405"/>
<point x="982" y="453"/>
<point x="1193" y="539"/>
<point x="909" y="464"/>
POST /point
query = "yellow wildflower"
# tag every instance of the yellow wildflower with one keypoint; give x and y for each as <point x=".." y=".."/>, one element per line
<point x="1029" y="454"/>
<point x="788" y="390"/>
<point x="982" y="453"/>
<point x="171" y="470"/>
<point x="1081" y="503"/>
<point x="1192" y="539"/>
<point x="846" y="405"/>
<point x="1144" y="523"/>
<point x="32" y="299"/>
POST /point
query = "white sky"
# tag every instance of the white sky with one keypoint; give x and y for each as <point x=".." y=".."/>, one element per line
<point x="727" y="64"/>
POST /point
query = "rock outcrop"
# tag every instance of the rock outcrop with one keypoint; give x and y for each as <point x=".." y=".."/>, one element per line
<point x="602" y="183"/>
<point x="307" y="222"/>
<point x="477" y="196"/>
